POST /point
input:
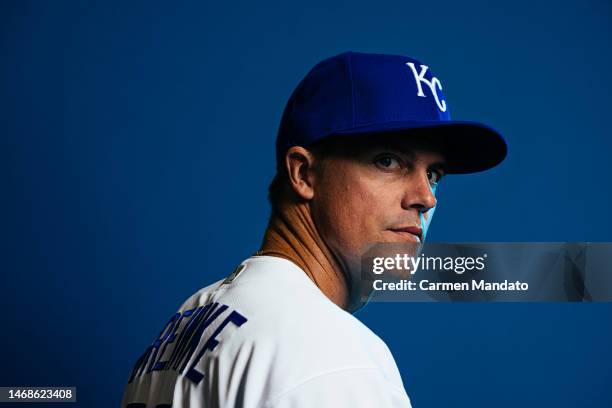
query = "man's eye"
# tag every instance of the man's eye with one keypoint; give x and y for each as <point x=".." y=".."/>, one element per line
<point x="388" y="162"/>
<point x="434" y="177"/>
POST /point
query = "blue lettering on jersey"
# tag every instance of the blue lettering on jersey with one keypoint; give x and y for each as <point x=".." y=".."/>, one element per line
<point x="175" y="345"/>
<point x="193" y="374"/>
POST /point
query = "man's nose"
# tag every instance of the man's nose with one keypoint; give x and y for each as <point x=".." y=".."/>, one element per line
<point x="419" y="194"/>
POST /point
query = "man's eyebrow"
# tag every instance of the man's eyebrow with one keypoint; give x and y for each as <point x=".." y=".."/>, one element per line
<point x="398" y="147"/>
<point x="408" y="151"/>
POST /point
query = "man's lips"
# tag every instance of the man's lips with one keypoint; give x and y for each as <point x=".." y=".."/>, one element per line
<point x="410" y="232"/>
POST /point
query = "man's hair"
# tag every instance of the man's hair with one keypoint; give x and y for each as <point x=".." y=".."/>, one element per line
<point x="277" y="188"/>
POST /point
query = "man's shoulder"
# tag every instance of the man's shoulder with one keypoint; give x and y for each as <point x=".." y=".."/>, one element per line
<point x="255" y="335"/>
<point x="279" y="300"/>
<point x="289" y="322"/>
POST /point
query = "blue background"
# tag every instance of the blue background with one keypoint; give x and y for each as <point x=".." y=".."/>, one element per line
<point x="137" y="146"/>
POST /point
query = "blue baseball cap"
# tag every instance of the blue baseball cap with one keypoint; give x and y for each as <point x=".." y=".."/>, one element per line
<point x="369" y="94"/>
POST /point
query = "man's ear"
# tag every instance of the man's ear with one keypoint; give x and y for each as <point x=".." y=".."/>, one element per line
<point x="300" y="169"/>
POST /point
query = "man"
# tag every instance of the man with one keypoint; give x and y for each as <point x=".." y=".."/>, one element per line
<point x="362" y="145"/>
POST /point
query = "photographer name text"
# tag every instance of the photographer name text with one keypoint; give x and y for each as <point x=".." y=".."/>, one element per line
<point x="425" y="285"/>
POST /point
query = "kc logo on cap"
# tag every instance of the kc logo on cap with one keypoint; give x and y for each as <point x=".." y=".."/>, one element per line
<point x="434" y="84"/>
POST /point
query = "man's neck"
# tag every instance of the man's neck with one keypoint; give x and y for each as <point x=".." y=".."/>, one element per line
<point x="291" y="234"/>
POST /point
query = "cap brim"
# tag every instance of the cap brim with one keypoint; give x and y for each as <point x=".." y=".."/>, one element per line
<point x="468" y="147"/>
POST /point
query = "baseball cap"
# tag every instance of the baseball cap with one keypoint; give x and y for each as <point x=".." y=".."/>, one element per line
<point x="355" y="93"/>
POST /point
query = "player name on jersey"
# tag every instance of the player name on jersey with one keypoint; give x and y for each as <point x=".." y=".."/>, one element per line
<point x="179" y="339"/>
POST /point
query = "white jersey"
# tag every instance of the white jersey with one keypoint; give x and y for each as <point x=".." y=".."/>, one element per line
<point x="265" y="337"/>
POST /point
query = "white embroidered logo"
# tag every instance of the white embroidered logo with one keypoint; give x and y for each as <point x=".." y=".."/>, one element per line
<point x="433" y="84"/>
